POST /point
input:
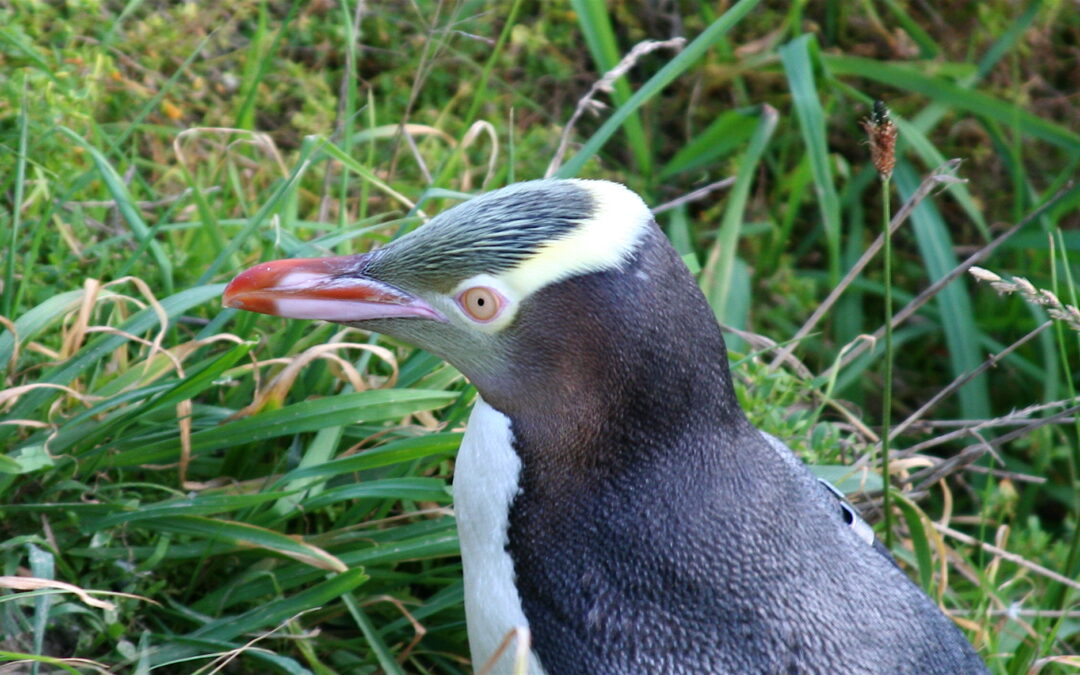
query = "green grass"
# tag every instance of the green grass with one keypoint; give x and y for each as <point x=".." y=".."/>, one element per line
<point x="274" y="494"/>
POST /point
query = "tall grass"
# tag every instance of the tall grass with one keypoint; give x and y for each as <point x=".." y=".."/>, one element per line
<point x="237" y="489"/>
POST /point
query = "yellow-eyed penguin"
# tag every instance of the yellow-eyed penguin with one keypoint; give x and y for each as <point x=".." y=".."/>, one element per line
<point x="611" y="495"/>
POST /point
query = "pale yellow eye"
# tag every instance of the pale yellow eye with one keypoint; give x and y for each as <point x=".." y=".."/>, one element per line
<point x="481" y="303"/>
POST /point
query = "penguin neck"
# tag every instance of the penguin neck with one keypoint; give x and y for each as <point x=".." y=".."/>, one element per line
<point x="632" y="363"/>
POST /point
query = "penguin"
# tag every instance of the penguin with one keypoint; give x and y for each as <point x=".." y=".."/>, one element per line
<point x="612" y="498"/>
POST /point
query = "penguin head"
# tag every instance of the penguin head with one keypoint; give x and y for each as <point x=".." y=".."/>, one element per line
<point x="496" y="285"/>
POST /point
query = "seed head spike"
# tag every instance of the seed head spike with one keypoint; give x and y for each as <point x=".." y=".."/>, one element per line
<point x="882" y="134"/>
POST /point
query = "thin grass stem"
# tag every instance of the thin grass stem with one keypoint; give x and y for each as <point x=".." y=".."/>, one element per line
<point x="16" y="209"/>
<point x="886" y="400"/>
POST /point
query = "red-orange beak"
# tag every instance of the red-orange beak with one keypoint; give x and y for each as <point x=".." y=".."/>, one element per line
<point x="332" y="289"/>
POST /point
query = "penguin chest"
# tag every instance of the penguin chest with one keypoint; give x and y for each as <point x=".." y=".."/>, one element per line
<point x="485" y="485"/>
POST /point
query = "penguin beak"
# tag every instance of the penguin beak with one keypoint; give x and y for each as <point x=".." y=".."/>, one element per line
<point x="331" y="289"/>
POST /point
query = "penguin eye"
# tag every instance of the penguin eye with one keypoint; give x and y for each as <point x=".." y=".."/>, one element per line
<point x="481" y="303"/>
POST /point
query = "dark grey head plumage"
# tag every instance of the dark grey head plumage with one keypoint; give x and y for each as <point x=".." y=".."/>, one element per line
<point x="488" y="234"/>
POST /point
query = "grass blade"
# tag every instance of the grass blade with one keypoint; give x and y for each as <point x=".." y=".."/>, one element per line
<point x="688" y="57"/>
<point x="277" y="611"/>
<point x="126" y="205"/>
<point x="595" y="25"/>
<point x="246" y="535"/>
<point x="306" y="416"/>
<point x="921" y="542"/>
<point x="910" y="78"/>
<point x="727" y="132"/>
<point x="378" y="646"/>
<point x="716" y="278"/>
<point x="954" y="302"/>
<point x="798" y="66"/>
<point x="8" y="306"/>
<point x="396" y="452"/>
<point x="90" y="355"/>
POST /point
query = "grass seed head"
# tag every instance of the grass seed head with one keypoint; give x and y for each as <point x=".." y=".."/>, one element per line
<point x="882" y="134"/>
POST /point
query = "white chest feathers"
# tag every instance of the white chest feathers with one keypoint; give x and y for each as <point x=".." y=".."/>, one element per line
<point x="485" y="484"/>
